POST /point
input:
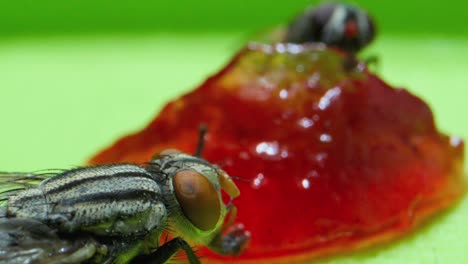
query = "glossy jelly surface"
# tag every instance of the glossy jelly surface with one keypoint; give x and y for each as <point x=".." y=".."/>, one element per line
<point x="332" y="158"/>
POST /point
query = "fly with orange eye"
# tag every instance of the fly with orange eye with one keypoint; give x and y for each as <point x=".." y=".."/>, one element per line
<point x="117" y="213"/>
<point x="197" y="186"/>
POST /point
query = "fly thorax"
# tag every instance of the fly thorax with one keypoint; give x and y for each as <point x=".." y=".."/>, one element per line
<point x="108" y="200"/>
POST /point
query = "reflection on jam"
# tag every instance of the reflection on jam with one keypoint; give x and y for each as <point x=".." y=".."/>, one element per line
<point x="335" y="159"/>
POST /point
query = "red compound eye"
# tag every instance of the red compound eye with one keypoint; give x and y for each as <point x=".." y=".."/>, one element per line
<point x="351" y="29"/>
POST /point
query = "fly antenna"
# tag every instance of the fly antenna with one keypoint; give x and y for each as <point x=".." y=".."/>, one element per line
<point x="240" y="179"/>
<point x="201" y="140"/>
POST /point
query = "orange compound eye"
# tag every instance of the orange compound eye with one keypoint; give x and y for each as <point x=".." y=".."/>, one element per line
<point x="198" y="199"/>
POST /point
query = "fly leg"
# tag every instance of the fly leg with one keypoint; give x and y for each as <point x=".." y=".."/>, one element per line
<point x="166" y="251"/>
<point x="233" y="242"/>
<point x="232" y="239"/>
<point x="351" y="62"/>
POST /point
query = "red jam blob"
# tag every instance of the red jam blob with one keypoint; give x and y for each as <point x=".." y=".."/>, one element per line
<point x="336" y="159"/>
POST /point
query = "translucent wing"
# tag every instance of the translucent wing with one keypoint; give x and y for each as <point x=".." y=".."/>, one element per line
<point x="12" y="182"/>
<point x="30" y="241"/>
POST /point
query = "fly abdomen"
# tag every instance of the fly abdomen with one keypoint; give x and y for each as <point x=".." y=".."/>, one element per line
<point x="108" y="200"/>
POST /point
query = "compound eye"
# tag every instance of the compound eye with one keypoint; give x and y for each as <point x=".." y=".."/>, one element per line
<point x="198" y="199"/>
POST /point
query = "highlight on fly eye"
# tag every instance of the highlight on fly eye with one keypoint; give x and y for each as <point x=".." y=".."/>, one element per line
<point x="198" y="199"/>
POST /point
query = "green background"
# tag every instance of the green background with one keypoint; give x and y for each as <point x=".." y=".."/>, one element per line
<point x="54" y="16"/>
<point x="75" y="75"/>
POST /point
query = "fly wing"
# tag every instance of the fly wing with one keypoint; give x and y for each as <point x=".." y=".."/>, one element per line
<point x="30" y="241"/>
<point x="24" y="240"/>
<point x="12" y="182"/>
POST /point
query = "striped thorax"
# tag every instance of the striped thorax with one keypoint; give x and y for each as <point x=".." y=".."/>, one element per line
<point x="111" y="200"/>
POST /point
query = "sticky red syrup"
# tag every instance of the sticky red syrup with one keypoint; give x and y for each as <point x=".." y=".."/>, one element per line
<point x="335" y="158"/>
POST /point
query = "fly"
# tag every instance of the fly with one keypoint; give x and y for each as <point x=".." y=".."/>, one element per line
<point x="338" y="25"/>
<point x="117" y="213"/>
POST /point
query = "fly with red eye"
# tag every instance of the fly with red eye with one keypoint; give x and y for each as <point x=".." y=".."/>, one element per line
<point x="117" y="213"/>
<point x="335" y="24"/>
